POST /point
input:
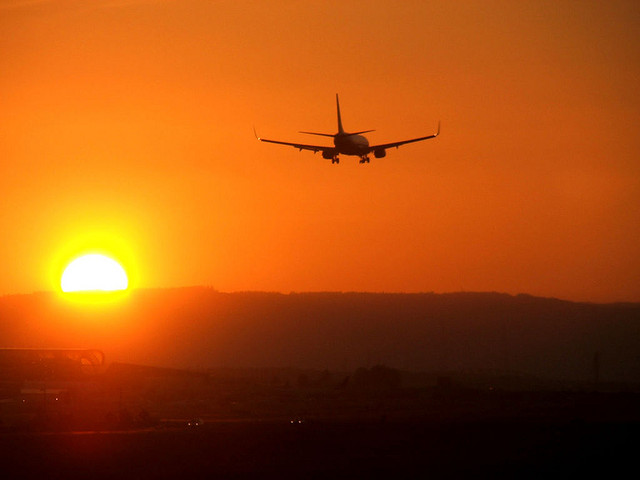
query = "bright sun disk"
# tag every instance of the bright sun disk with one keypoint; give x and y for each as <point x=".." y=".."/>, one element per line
<point x="94" y="272"/>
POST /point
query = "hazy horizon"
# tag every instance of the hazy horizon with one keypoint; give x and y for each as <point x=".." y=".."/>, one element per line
<point x="65" y="297"/>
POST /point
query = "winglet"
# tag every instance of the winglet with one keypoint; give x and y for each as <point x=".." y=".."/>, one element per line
<point x="438" y="132"/>
<point x="256" y="133"/>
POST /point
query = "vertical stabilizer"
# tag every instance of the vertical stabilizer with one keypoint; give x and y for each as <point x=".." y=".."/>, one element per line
<point x="340" y="129"/>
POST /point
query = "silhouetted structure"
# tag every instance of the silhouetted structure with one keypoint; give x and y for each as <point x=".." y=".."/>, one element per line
<point x="19" y="364"/>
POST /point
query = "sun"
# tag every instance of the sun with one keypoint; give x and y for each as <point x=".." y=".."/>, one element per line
<point x="94" y="272"/>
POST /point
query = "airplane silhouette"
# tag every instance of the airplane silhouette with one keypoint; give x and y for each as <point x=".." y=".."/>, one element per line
<point x="348" y="143"/>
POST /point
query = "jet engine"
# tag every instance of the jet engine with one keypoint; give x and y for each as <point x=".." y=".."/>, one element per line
<point x="380" y="153"/>
<point x="327" y="154"/>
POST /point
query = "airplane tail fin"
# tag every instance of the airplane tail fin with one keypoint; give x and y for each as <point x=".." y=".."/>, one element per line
<point x="340" y="129"/>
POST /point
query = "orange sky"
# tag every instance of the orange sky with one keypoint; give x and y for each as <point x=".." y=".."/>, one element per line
<point x="127" y="125"/>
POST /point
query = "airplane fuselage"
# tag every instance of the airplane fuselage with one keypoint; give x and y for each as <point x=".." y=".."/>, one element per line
<point x="351" y="144"/>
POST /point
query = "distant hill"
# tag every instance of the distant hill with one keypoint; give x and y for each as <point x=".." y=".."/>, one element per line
<point x="200" y="328"/>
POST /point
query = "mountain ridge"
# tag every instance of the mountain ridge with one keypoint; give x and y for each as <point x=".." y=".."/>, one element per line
<point x="200" y="327"/>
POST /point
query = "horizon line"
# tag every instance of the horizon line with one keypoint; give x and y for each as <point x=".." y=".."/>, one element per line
<point x="328" y="292"/>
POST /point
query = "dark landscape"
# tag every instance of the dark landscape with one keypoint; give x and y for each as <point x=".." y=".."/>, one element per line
<point x="199" y="328"/>
<point x="514" y="449"/>
<point x="320" y="385"/>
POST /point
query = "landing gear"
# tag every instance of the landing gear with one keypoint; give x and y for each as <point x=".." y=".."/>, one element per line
<point x="335" y="159"/>
<point x="364" y="159"/>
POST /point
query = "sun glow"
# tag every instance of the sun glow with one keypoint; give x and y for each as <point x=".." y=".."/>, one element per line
<point x="94" y="272"/>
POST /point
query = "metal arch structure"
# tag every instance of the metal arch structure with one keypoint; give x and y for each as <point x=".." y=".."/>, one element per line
<point x="49" y="363"/>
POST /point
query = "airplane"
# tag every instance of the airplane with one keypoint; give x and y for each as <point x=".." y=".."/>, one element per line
<point x="348" y="143"/>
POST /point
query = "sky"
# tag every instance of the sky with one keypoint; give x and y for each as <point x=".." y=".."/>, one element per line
<point x="127" y="127"/>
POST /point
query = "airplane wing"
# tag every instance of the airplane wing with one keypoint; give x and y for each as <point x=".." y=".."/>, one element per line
<point x="403" y="142"/>
<point x="299" y="146"/>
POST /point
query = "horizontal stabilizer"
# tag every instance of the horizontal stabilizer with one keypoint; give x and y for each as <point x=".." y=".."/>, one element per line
<point x="359" y="133"/>
<point x="321" y="134"/>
